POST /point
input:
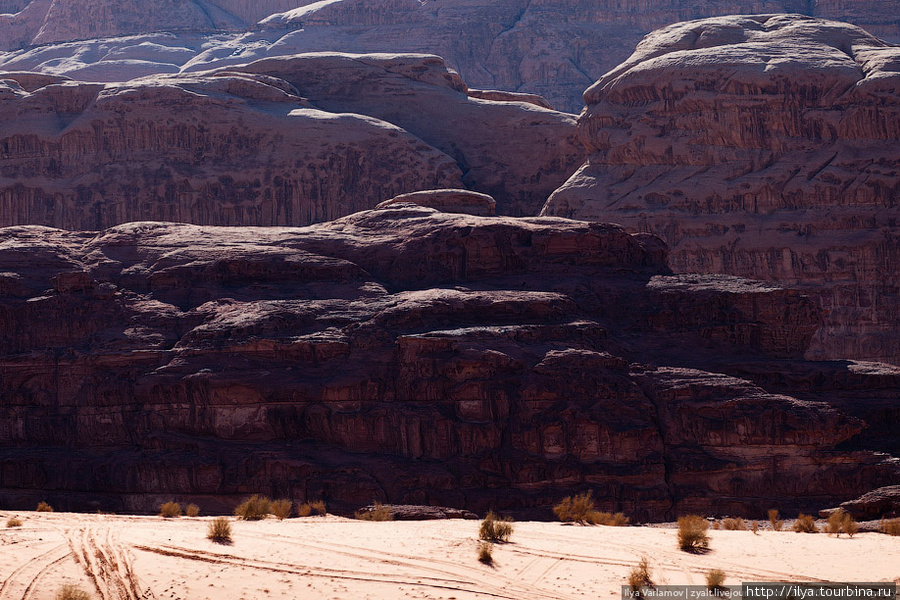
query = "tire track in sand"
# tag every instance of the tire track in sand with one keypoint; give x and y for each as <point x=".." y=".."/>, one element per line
<point x="107" y="563"/>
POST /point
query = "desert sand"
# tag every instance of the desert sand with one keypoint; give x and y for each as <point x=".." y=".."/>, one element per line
<point x="132" y="557"/>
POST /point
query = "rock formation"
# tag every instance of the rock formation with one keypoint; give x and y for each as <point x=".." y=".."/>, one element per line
<point x="413" y="357"/>
<point x="553" y="48"/>
<point x="286" y="141"/>
<point x="763" y="147"/>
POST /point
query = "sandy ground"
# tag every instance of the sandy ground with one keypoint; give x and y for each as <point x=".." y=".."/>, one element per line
<point x="331" y="558"/>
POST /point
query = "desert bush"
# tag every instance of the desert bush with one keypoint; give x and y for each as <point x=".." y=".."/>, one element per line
<point x="715" y="580"/>
<point x="692" y="536"/>
<point x="640" y="577"/>
<point x="219" y="531"/>
<point x="72" y="592"/>
<point x="43" y="507"/>
<point x="304" y="510"/>
<point x="308" y="508"/>
<point x="495" y="529"/>
<point x="254" y="508"/>
<point x="777" y="523"/>
<point x="581" y="509"/>
<point x="485" y="553"/>
<point x="282" y="509"/>
<point x="849" y="525"/>
<point x="13" y="522"/>
<point x="754" y="527"/>
<point x="192" y="510"/>
<point x="805" y="524"/>
<point x="889" y="526"/>
<point x="734" y="524"/>
<point x="835" y="522"/>
<point x="380" y="512"/>
<point x="170" y="510"/>
<point x="318" y="506"/>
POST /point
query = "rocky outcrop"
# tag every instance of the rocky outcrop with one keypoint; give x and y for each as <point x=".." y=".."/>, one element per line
<point x="550" y="48"/>
<point x="290" y="141"/>
<point x="409" y="356"/>
<point x="454" y="201"/>
<point x="762" y="147"/>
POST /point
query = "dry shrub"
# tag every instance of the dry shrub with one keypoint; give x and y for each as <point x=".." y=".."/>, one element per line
<point x="254" y="508"/>
<point x="754" y="528"/>
<point x="13" y="522"/>
<point x="43" y="507"/>
<point x="835" y="522"/>
<point x="170" y="510"/>
<point x="219" y="531"/>
<point x="805" y="524"/>
<point x="640" y="577"/>
<point x="485" y="553"/>
<point x="192" y="510"/>
<point x="581" y="509"/>
<point x="282" y="509"/>
<point x="734" y="524"/>
<point x="849" y="525"/>
<point x="495" y="529"/>
<point x="777" y="523"/>
<point x="380" y="512"/>
<point x="72" y="592"/>
<point x="715" y="580"/>
<point x="890" y="526"/>
<point x="304" y="510"/>
<point x="692" y="536"/>
<point x="319" y="507"/>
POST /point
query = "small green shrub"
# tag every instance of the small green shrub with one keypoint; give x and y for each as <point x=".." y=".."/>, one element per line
<point x="380" y="512"/>
<point x="639" y="577"/>
<point x="777" y="523"/>
<point x="734" y="524"/>
<point x="805" y="524"/>
<point x="254" y="508"/>
<point x="192" y="510"/>
<point x="219" y="531"/>
<point x="715" y="580"/>
<point x="485" y="553"/>
<point x="282" y="509"/>
<point x="13" y="522"/>
<point x="890" y="526"/>
<point x="495" y="529"/>
<point x="43" y="507"/>
<point x="692" y="536"/>
<point x="72" y="592"/>
<point x="170" y="510"/>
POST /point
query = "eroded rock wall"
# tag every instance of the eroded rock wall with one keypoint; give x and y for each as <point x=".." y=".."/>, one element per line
<point x="763" y="147"/>
<point x="408" y="356"/>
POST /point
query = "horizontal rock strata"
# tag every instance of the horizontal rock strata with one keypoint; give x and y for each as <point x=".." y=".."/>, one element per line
<point x="412" y="357"/>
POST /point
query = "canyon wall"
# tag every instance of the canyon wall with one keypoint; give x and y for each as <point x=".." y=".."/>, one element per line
<point x="764" y="147"/>
<point x="552" y="48"/>
<point x="287" y="141"/>
<point x="413" y="356"/>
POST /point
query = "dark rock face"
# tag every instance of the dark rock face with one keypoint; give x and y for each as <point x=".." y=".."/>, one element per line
<point x="762" y="147"/>
<point x="290" y="141"/>
<point x="413" y="357"/>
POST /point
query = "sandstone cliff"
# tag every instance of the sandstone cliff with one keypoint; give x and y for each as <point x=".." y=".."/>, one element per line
<point x="409" y="356"/>
<point x="764" y="147"/>
<point x="289" y="141"/>
<point x="553" y="48"/>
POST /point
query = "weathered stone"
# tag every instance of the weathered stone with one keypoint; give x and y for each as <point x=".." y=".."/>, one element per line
<point x="762" y="147"/>
<point x="416" y="357"/>
<point x="454" y="201"/>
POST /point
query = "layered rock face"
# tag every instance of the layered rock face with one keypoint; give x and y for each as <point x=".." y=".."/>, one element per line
<point x="413" y="357"/>
<point x="763" y="147"/>
<point x="553" y="48"/>
<point x="290" y="141"/>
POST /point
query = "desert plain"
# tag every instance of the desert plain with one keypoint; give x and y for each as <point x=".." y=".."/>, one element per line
<point x="336" y="558"/>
